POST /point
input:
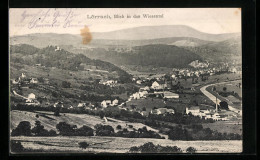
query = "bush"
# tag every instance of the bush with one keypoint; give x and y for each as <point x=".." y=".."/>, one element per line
<point x="104" y="130"/>
<point x="83" y="145"/>
<point x="66" y="129"/>
<point x="119" y="127"/>
<point x="149" y="147"/>
<point x="191" y="150"/>
<point x="23" y="129"/>
<point x="16" y="146"/>
<point x="85" y="131"/>
<point x="39" y="130"/>
<point x="130" y="126"/>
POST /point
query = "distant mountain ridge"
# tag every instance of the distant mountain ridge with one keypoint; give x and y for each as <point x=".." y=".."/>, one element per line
<point x="133" y="36"/>
<point x="164" y="31"/>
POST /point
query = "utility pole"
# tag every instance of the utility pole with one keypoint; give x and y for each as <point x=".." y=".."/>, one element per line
<point x="216" y="104"/>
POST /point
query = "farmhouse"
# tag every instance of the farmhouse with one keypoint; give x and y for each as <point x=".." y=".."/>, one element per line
<point x="144" y="113"/>
<point x="115" y="102"/>
<point x="58" y="104"/>
<point x="159" y="85"/>
<point x="31" y="96"/>
<point x="82" y="105"/>
<point x="138" y="82"/>
<point x="34" y="80"/>
<point x="146" y="88"/>
<point x="193" y="110"/>
<point x="105" y="103"/>
<point x="168" y="94"/>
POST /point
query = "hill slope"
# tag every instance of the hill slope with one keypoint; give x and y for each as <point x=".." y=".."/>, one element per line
<point x="51" y="57"/>
<point x="155" y="55"/>
<point x="227" y="50"/>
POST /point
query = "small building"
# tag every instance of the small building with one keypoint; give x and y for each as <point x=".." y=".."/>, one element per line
<point x="81" y="105"/>
<point x="136" y="95"/>
<point x="146" y="88"/>
<point x="114" y="102"/>
<point x="168" y="94"/>
<point x="158" y="85"/>
<point x="162" y="111"/>
<point x="58" y="104"/>
<point x="138" y="82"/>
<point x="34" y="80"/>
<point x="193" y="110"/>
<point x="144" y="113"/>
<point x="23" y="75"/>
<point x="15" y="81"/>
<point x="105" y="103"/>
<point x="143" y="94"/>
<point x="31" y="96"/>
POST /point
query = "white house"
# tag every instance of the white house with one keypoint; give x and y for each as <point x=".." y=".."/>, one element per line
<point x="34" y="80"/>
<point x="146" y="88"/>
<point x="23" y="75"/>
<point x="57" y="48"/>
<point x="82" y="105"/>
<point x="193" y="110"/>
<point x="58" y="104"/>
<point x="143" y="93"/>
<point x="14" y="81"/>
<point x="114" y="102"/>
<point x="31" y="96"/>
<point x="136" y="95"/>
<point x="105" y="103"/>
<point x="138" y="82"/>
<point x="158" y="85"/>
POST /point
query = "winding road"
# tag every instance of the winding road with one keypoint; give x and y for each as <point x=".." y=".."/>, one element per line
<point x="213" y="98"/>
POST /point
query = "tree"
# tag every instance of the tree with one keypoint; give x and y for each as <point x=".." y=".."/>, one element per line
<point x="104" y="130"/>
<point x="224" y="89"/>
<point x="101" y="115"/>
<point x="191" y="150"/>
<point x="224" y="105"/>
<point x="143" y="109"/>
<point x="66" y="129"/>
<point x="16" y="146"/>
<point x="23" y="129"/>
<point x="84" y="131"/>
<point x="83" y="145"/>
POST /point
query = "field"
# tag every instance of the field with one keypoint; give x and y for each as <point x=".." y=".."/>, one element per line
<point x="225" y="126"/>
<point x="49" y="121"/>
<point x="121" y="145"/>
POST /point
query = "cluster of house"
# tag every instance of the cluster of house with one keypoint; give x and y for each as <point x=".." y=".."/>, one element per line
<point x="206" y="113"/>
<point x="158" y="89"/>
<point x="198" y="64"/>
<point x="110" y="83"/>
<point x="184" y="73"/>
<point x="24" y="79"/>
<point x="235" y="70"/>
<point x="160" y="111"/>
<point x="106" y="103"/>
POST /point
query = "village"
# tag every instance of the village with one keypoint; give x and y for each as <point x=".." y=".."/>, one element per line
<point x="158" y="94"/>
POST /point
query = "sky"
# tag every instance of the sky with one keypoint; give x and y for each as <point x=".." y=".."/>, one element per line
<point x="209" y="20"/>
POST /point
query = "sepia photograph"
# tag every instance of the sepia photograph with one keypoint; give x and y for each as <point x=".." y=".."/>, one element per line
<point x="125" y="80"/>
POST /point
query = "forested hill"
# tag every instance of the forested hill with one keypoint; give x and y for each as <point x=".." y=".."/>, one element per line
<point x="51" y="57"/>
<point x="157" y="55"/>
